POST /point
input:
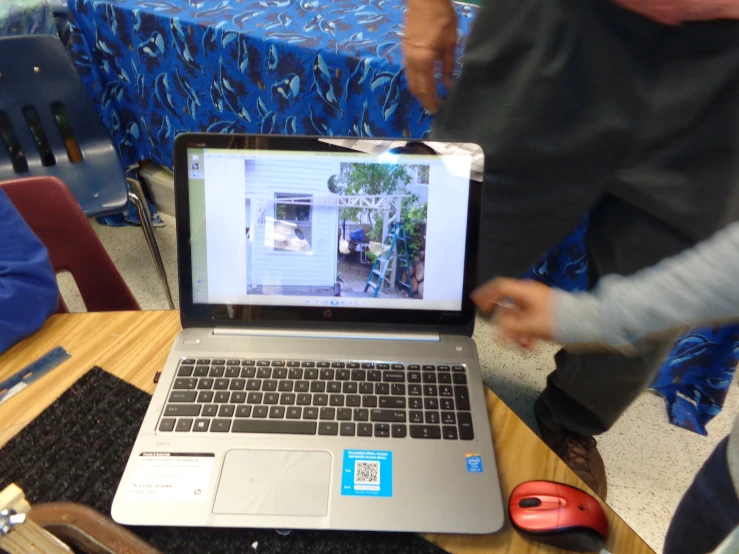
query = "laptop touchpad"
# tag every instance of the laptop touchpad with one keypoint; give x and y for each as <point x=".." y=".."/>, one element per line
<point x="274" y="482"/>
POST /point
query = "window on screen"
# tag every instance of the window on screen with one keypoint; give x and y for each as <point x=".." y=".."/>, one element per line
<point x="293" y="223"/>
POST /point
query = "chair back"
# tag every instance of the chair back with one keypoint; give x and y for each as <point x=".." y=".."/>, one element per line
<point x="56" y="218"/>
<point x="49" y="125"/>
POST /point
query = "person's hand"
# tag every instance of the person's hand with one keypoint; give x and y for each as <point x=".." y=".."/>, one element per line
<point x="525" y="313"/>
<point x="430" y="36"/>
<point x="676" y="12"/>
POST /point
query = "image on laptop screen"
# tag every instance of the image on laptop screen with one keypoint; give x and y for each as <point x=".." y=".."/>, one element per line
<point x="358" y="230"/>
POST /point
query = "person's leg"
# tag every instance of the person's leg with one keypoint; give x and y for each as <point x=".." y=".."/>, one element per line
<point x="588" y="392"/>
<point x="708" y="511"/>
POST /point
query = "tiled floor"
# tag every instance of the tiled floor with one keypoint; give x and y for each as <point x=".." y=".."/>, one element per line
<point x="650" y="463"/>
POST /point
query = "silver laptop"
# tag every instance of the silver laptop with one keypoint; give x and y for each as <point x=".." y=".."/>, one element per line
<point x="325" y="377"/>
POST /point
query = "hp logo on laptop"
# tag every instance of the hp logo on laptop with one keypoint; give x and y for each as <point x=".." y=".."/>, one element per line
<point x="327" y="314"/>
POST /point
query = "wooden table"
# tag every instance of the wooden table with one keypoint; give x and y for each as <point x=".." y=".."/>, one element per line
<point x="134" y="345"/>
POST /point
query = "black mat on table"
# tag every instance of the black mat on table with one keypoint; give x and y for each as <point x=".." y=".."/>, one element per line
<point x="76" y="450"/>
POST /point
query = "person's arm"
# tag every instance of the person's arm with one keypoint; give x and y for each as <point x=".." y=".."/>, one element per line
<point x="698" y="286"/>
<point x="28" y="289"/>
<point x="676" y="12"/>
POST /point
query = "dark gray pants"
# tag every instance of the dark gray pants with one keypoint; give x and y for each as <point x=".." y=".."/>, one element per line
<point x="588" y="392"/>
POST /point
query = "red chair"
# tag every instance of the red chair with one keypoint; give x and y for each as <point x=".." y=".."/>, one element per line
<point x="52" y="212"/>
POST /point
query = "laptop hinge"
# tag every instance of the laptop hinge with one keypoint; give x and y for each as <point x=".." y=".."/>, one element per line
<point x="328" y="334"/>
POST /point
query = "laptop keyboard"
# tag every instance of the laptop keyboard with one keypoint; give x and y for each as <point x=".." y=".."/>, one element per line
<point x="348" y="399"/>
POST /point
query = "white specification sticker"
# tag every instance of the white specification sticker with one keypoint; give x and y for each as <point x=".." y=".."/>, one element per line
<point x="170" y="477"/>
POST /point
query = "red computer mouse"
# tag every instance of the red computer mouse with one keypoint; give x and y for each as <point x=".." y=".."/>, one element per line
<point x="558" y="515"/>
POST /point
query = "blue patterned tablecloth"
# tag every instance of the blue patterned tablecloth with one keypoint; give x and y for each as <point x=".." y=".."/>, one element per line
<point x="26" y="17"/>
<point x="328" y="67"/>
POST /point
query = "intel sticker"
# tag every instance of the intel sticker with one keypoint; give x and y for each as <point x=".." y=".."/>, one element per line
<point x="474" y="463"/>
<point x="367" y="473"/>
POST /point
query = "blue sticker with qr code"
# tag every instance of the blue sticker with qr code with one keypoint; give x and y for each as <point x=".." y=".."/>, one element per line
<point x="367" y="473"/>
<point x="474" y="463"/>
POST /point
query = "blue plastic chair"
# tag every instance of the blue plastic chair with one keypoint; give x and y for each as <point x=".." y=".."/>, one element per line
<point x="64" y="136"/>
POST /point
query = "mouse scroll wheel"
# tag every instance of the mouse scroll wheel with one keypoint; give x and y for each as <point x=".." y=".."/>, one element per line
<point x="529" y="502"/>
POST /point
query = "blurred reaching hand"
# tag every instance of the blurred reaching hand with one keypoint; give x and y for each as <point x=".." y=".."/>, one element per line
<point x="526" y="312"/>
<point x="675" y="12"/>
<point x="430" y="37"/>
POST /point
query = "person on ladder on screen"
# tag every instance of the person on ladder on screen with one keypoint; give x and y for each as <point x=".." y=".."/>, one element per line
<point x="28" y="289"/>
<point x="623" y="110"/>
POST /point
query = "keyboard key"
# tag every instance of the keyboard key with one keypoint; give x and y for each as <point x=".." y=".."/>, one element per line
<point x="185" y="371"/>
<point x="353" y="400"/>
<point x="304" y="399"/>
<point x="188" y="361"/>
<point x="233" y="362"/>
<point x="464" y="421"/>
<point x="397" y="390"/>
<point x="205" y="362"/>
<point x="232" y="372"/>
<point x="318" y="386"/>
<point x="253" y="384"/>
<point x="458" y="368"/>
<point x="293" y="364"/>
<point x="221" y="397"/>
<point x="210" y="410"/>
<point x="248" y="372"/>
<point x="398" y="366"/>
<point x="369" y="402"/>
<point x="327" y="374"/>
<point x="271" y="398"/>
<point x="347" y="429"/>
<point x="444" y="378"/>
<point x="183" y="425"/>
<point x="431" y="403"/>
<point x="344" y="414"/>
<point x="254" y="398"/>
<point x="450" y="433"/>
<point x="279" y="373"/>
<point x="295" y="373"/>
<point x="327" y="413"/>
<point x="430" y="390"/>
<point x="201" y="425"/>
<point x="302" y="386"/>
<point x="166" y="425"/>
<point x="462" y="398"/>
<point x="310" y="413"/>
<point x="217" y="371"/>
<point x="393" y="377"/>
<point x="201" y="371"/>
<point x="264" y="373"/>
<point x="349" y="388"/>
<point x="416" y="417"/>
<point x="308" y="364"/>
<point x="269" y="385"/>
<point x="366" y="388"/>
<point x="374" y="375"/>
<point x="243" y="411"/>
<point x="218" y="362"/>
<point x="429" y="377"/>
<point x="399" y="431"/>
<point x="414" y="367"/>
<point x="278" y="363"/>
<point x="286" y="426"/>
<point x="338" y="365"/>
<point x="446" y="391"/>
<point x="333" y="387"/>
<point x="415" y="390"/>
<point x="460" y="379"/>
<point x="336" y="400"/>
<point x="226" y="410"/>
<point x="206" y="383"/>
<point x="447" y="404"/>
<point x="432" y="417"/>
<point x="263" y="363"/>
<point x="323" y="364"/>
<point x="287" y="399"/>
<point x="387" y="416"/>
<point x="415" y="403"/>
<point x="361" y="414"/>
<point x="382" y="430"/>
<point x="359" y="375"/>
<point x="182" y="410"/>
<point x="429" y="368"/>
<point x="392" y="402"/>
<point x="277" y="412"/>
<point x="328" y="428"/>
<point x="237" y="384"/>
<point x="382" y="388"/>
<point x="294" y="412"/>
<point x="221" y="384"/>
<point x="343" y="375"/>
<point x="353" y="365"/>
<point x="248" y="362"/>
<point x="443" y="368"/>
<point x="364" y="429"/>
<point x="368" y="365"/>
<point x="182" y="396"/>
<point x="285" y="386"/>
<point x="320" y="399"/>
<point x="448" y="418"/>
<point x="425" y="431"/>
<point x="383" y="366"/>
<point x="185" y="384"/>
<point x="414" y="377"/>
<point x="260" y="411"/>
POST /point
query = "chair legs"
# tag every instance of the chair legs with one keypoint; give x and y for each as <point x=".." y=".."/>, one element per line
<point x="136" y="196"/>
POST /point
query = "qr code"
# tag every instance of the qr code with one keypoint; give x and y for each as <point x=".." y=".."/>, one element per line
<point x="367" y="473"/>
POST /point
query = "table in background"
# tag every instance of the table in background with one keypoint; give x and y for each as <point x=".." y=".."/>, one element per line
<point x="135" y="345"/>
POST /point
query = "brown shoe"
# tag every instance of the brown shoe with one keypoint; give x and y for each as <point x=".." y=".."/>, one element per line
<point x="582" y="457"/>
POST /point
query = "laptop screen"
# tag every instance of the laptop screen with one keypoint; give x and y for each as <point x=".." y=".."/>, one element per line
<point x="345" y="229"/>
